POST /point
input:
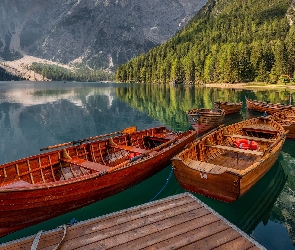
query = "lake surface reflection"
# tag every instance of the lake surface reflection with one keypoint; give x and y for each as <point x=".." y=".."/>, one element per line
<point x="40" y="114"/>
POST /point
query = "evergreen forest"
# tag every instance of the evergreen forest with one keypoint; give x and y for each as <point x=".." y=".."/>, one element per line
<point x="227" y="41"/>
<point x="58" y="73"/>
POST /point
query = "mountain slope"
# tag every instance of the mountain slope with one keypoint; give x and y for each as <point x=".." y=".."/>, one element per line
<point x="227" y="41"/>
<point x="96" y="33"/>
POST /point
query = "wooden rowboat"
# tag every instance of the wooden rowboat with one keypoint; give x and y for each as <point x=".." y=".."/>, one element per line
<point x="229" y="107"/>
<point x="287" y="119"/>
<point x="202" y="120"/>
<point x="43" y="186"/>
<point x="266" y="107"/>
<point x="215" y="166"/>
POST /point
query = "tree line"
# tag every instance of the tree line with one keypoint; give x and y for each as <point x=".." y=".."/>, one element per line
<point x="58" y="73"/>
<point x="227" y="41"/>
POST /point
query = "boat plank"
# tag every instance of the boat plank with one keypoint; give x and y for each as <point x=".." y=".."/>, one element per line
<point x="206" y="167"/>
<point x="253" y="138"/>
<point x="237" y="150"/>
<point x="86" y="164"/>
<point x="17" y="184"/>
<point x="132" y="149"/>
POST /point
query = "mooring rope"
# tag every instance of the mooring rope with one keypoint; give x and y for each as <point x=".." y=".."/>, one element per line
<point x="36" y="240"/>
<point x="167" y="181"/>
<point x="38" y="235"/>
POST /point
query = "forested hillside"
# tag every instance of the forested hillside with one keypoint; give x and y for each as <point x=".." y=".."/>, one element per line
<point x="227" y="41"/>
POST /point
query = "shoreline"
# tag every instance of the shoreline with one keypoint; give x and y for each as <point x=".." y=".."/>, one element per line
<point x="248" y="86"/>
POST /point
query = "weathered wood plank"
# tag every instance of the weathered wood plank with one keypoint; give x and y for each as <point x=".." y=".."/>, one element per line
<point x="142" y="226"/>
<point x="252" y="138"/>
<point x="185" y="239"/>
<point x="179" y="221"/>
<point x="237" y="150"/>
<point x="127" y="217"/>
<point x="132" y="149"/>
<point x="169" y="233"/>
<point x="216" y="239"/>
<point x="86" y="164"/>
<point x="238" y="243"/>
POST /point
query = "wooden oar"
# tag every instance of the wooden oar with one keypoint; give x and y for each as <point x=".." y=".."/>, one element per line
<point x="124" y="131"/>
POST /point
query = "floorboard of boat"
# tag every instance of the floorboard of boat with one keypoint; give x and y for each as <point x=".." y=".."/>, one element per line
<point x="229" y="159"/>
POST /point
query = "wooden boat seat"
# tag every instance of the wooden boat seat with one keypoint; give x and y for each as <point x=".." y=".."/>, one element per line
<point x="164" y="137"/>
<point x="237" y="150"/>
<point x="131" y="149"/>
<point x="86" y="164"/>
<point x="205" y="167"/>
<point x="251" y="138"/>
<point x="258" y="128"/>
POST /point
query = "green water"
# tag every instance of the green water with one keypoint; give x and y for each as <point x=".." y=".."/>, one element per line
<point x="36" y="115"/>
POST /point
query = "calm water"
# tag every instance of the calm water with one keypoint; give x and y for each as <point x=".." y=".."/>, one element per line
<point x="36" y="115"/>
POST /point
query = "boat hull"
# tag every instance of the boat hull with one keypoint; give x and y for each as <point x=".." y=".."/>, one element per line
<point x="269" y="108"/>
<point x="223" y="187"/>
<point x="227" y="186"/>
<point x="287" y="119"/>
<point x="204" y="120"/>
<point x="224" y="172"/>
<point x="229" y="108"/>
<point x="25" y="206"/>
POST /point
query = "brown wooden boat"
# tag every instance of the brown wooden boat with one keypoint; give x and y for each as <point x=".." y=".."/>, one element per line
<point x="226" y="163"/>
<point x="266" y="107"/>
<point x="202" y="120"/>
<point x="229" y="107"/>
<point x="287" y="119"/>
<point x="43" y="186"/>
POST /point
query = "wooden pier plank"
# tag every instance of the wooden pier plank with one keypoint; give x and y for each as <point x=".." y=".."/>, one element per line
<point x="169" y="233"/>
<point x="107" y="222"/>
<point x="180" y="221"/>
<point x="143" y="226"/>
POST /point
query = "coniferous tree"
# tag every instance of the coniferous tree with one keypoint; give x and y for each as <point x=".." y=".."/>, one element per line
<point x="227" y="41"/>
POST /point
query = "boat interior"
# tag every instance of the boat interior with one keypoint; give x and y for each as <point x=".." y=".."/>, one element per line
<point x="219" y="152"/>
<point x="99" y="156"/>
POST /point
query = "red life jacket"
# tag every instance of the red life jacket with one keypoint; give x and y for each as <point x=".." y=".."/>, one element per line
<point x="246" y="144"/>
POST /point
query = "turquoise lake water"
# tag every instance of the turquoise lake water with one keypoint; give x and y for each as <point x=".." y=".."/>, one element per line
<point x="35" y="115"/>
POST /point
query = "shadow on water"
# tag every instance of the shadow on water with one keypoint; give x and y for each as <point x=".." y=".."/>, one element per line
<point x="255" y="206"/>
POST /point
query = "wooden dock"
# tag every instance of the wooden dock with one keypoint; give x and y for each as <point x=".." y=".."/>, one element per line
<point x="177" y="222"/>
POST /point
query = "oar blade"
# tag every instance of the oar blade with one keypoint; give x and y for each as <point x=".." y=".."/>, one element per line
<point x="129" y="130"/>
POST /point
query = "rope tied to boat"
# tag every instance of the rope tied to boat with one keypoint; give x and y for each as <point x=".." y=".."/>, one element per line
<point x="167" y="181"/>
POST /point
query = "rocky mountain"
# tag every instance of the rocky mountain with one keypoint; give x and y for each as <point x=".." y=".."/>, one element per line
<point x="95" y="33"/>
